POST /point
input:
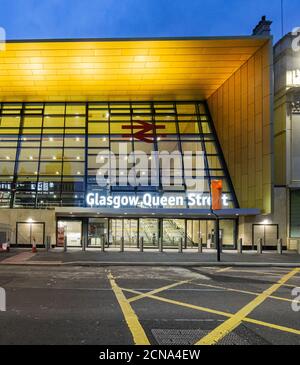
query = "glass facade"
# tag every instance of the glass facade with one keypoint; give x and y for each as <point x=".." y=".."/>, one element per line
<point x="48" y="151"/>
<point x="111" y="232"/>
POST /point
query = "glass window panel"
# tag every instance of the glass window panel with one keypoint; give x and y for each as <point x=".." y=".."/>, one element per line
<point x="119" y="106"/>
<point x="54" y="122"/>
<point x="51" y="154"/>
<point x="53" y="131"/>
<point x="7" y="154"/>
<point x="98" y="128"/>
<point x="50" y="168"/>
<point x="54" y="108"/>
<point x="205" y="128"/>
<point x="98" y="114"/>
<point x="75" y="109"/>
<point x="29" y="154"/>
<point x="52" y="141"/>
<point x="186" y="108"/>
<point x="202" y="108"/>
<point x="36" y="131"/>
<point x="73" y="168"/>
<point x="9" y="122"/>
<point x="34" y="106"/>
<point x="213" y="162"/>
<point x="121" y="147"/>
<point x="74" y="131"/>
<point x="144" y="147"/>
<point x="144" y="118"/>
<point x="210" y="148"/>
<point x="33" y="122"/>
<point x="14" y="106"/>
<point x="120" y="128"/>
<point x="74" y="154"/>
<point x="120" y="118"/>
<point x="28" y="168"/>
<point x="74" y="141"/>
<point x="93" y="164"/>
<point x="8" y="141"/>
<point x="188" y="127"/>
<point x="7" y="168"/>
<point x="191" y="146"/>
<point x="98" y="105"/>
<point x="163" y="128"/>
<point x="75" y="122"/>
<point x="167" y="146"/>
<point x="101" y="141"/>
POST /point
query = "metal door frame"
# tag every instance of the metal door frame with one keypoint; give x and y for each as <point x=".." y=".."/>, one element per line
<point x="72" y="219"/>
<point x="123" y="219"/>
<point x="264" y="237"/>
<point x="30" y="223"/>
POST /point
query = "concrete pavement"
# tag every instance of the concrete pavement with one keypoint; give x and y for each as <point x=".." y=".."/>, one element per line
<point x="92" y="257"/>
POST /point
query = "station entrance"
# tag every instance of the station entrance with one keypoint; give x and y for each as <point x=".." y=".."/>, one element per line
<point x="93" y="232"/>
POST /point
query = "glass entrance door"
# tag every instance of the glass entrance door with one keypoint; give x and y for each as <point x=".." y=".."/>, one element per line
<point x="69" y="233"/>
<point x="173" y="232"/>
<point x="97" y="231"/>
<point x="123" y="228"/>
<point x="205" y="229"/>
<point x="149" y="229"/>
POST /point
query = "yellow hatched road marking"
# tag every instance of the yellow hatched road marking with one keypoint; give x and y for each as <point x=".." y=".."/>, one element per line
<point x="246" y="292"/>
<point x="257" y="272"/>
<point x="138" y="333"/>
<point x="228" y="326"/>
<point x="187" y="305"/>
<point x="155" y="291"/>
<point x="217" y="312"/>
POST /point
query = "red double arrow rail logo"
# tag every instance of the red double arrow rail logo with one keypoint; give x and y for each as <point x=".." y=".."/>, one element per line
<point x="146" y="131"/>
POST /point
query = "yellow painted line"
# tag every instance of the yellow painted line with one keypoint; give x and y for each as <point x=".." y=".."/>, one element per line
<point x="224" y="269"/>
<point x="273" y="326"/>
<point x="256" y="272"/>
<point x="137" y="331"/>
<point x="228" y="326"/>
<point x="220" y="313"/>
<point x="245" y="292"/>
<point x="155" y="291"/>
<point x="187" y="305"/>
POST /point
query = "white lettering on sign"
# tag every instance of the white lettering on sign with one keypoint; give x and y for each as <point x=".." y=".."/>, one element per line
<point x="150" y="201"/>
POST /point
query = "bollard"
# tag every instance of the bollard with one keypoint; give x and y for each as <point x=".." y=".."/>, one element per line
<point x="122" y="245"/>
<point x="65" y="244"/>
<point x="48" y="243"/>
<point x="200" y="243"/>
<point x="259" y="245"/>
<point x="142" y="244"/>
<point x="102" y="244"/>
<point x="298" y="246"/>
<point x="279" y="246"/>
<point x="240" y="245"/>
<point x="160" y="244"/>
<point x="180" y="244"/>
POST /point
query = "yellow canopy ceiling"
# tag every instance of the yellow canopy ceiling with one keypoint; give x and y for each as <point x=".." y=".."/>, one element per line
<point x="174" y="69"/>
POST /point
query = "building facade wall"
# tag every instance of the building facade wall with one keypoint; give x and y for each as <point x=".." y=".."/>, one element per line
<point x="10" y="217"/>
<point x="287" y="133"/>
<point x="241" y="111"/>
